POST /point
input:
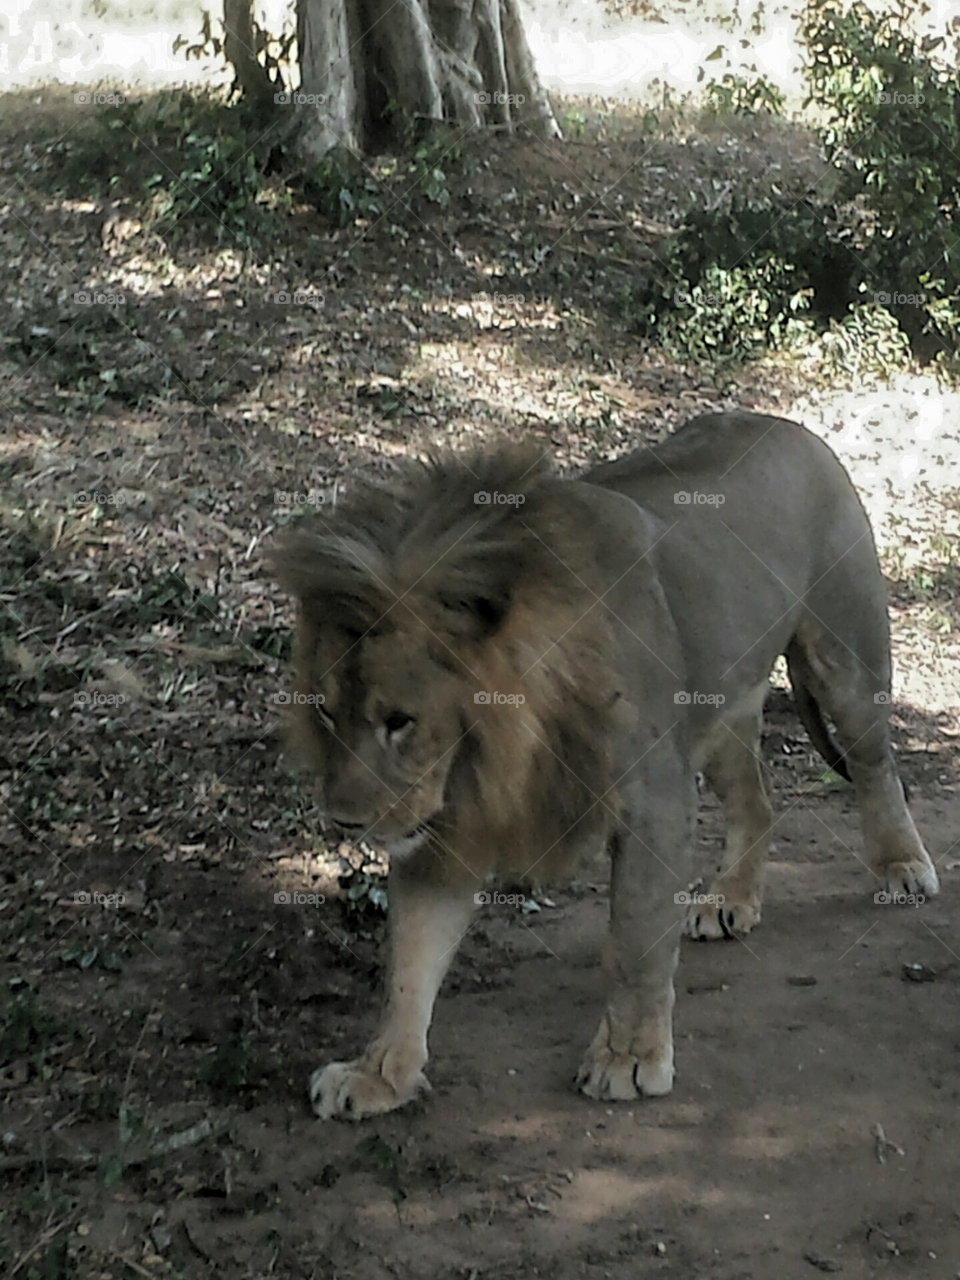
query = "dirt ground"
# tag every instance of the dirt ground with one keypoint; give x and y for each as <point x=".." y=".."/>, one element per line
<point x="155" y="1050"/>
<point x="813" y="1124"/>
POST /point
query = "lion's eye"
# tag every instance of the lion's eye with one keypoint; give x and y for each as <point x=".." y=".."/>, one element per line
<point x="325" y="718"/>
<point x="396" y="721"/>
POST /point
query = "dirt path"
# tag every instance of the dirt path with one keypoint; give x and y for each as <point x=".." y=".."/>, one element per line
<point x="836" y="1017"/>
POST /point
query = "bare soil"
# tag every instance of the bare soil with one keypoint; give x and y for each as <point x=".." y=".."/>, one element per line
<point x="836" y="1017"/>
<point x="154" y="1051"/>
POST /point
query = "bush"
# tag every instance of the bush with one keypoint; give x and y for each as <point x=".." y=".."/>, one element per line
<point x="218" y="185"/>
<point x="738" y="276"/>
<point x="732" y="95"/>
<point x="867" y="342"/>
<point x="343" y="189"/>
<point x="201" y="162"/>
<point x="891" y="127"/>
<point x="730" y="315"/>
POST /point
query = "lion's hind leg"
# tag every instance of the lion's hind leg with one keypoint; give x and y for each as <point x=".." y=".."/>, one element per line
<point x="732" y="903"/>
<point x="847" y="668"/>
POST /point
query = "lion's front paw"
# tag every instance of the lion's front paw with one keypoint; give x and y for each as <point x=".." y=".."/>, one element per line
<point x="620" y="1077"/>
<point x="352" y="1090"/>
<point x="912" y="876"/>
<point x="731" y="918"/>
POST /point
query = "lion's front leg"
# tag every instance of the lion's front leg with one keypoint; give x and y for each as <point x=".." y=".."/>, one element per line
<point x="427" y="921"/>
<point x="632" y="1052"/>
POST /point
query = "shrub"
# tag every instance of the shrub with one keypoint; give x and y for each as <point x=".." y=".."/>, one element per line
<point x="891" y="126"/>
<point x="733" y="95"/>
<point x="874" y="261"/>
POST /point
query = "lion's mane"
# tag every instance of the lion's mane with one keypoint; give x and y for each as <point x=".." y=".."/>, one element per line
<point x="502" y="595"/>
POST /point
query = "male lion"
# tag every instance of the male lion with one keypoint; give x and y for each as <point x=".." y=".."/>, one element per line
<point x="517" y="668"/>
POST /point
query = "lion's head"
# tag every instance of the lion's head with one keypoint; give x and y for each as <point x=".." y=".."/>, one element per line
<point x="452" y="671"/>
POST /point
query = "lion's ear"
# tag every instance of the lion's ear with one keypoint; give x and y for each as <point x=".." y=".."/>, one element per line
<point x="295" y="574"/>
<point x="476" y="616"/>
<point x="333" y="575"/>
<point x="475" y="588"/>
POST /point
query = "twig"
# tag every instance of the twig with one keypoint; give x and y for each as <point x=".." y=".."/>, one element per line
<point x="89" y="1159"/>
<point x="48" y="1234"/>
<point x="884" y="1144"/>
<point x="134" y="1266"/>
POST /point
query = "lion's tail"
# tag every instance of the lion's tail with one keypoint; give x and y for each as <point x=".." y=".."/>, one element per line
<point x="811" y="716"/>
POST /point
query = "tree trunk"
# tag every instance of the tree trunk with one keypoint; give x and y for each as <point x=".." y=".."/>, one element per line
<point x="368" y="65"/>
<point x="239" y="48"/>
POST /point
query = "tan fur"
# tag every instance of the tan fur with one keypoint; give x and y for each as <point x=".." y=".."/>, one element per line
<point x="600" y="606"/>
<point x="427" y="570"/>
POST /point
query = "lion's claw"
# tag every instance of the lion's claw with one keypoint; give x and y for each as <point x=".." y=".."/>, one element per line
<point x="911" y="877"/>
<point x="730" y="920"/>
<point x="620" y="1077"/>
<point x="351" y="1091"/>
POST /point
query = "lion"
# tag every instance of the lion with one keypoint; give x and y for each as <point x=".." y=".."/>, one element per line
<point x="511" y="671"/>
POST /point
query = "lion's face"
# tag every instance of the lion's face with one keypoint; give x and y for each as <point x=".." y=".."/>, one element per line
<point x="454" y="671"/>
<point x="382" y="750"/>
